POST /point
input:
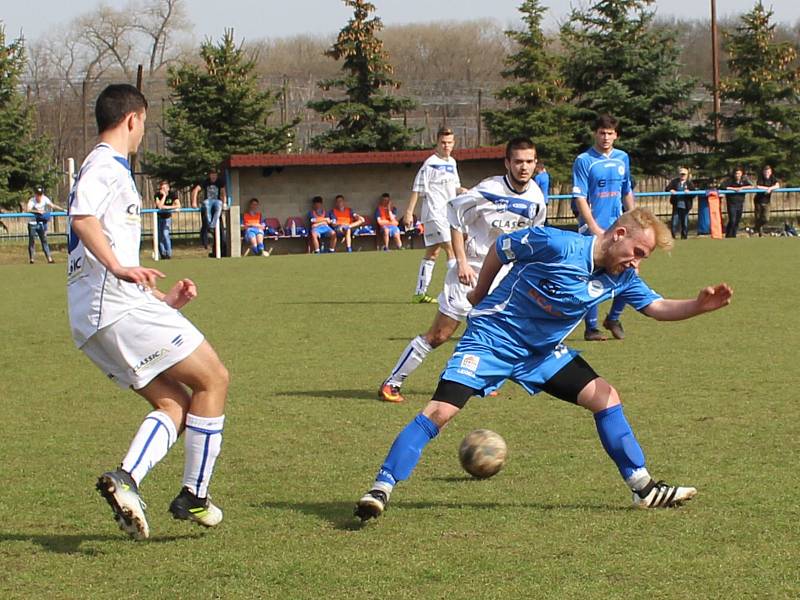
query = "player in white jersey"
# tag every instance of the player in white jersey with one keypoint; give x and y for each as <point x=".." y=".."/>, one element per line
<point x="496" y="205"/>
<point x="133" y="332"/>
<point x="436" y="183"/>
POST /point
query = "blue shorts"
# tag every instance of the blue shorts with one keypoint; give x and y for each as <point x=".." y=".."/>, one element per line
<point x="251" y="232"/>
<point x="322" y="230"/>
<point x="392" y="229"/>
<point x="484" y="368"/>
<point x="341" y="229"/>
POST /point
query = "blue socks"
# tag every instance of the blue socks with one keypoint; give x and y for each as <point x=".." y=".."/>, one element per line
<point x="405" y="451"/>
<point x="619" y="442"/>
<point x="591" y="318"/>
<point x="617" y="306"/>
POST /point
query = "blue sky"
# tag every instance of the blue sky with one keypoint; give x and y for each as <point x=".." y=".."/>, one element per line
<point x="253" y="19"/>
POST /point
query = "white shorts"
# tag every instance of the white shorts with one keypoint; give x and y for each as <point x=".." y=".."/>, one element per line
<point x="453" y="301"/>
<point x="143" y="344"/>
<point x="437" y="231"/>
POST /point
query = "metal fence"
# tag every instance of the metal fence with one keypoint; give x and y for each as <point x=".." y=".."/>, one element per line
<point x="784" y="207"/>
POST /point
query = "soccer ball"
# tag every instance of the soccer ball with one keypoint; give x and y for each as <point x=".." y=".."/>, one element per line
<point x="482" y="453"/>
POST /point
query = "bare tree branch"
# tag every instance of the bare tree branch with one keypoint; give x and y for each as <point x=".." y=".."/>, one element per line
<point x="160" y="21"/>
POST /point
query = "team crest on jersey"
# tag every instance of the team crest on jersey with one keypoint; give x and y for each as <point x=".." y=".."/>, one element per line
<point x="595" y="288"/>
<point x="621" y="170"/>
<point x="551" y="288"/>
<point x="470" y="363"/>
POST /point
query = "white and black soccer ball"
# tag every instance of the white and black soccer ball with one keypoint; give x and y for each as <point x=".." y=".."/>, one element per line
<point x="482" y="453"/>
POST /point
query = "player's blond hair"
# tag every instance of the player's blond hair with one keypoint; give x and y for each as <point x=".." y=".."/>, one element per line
<point x="643" y="219"/>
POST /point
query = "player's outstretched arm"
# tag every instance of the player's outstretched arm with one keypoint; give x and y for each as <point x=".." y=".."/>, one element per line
<point x="489" y="270"/>
<point x="709" y="299"/>
<point x="90" y="232"/>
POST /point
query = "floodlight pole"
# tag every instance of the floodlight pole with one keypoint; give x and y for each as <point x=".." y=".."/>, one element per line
<point x="715" y="65"/>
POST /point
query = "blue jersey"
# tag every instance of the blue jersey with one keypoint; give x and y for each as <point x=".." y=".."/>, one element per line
<point x="551" y="285"/>
<point x="543" y="181"/>
<point x="603" y="181"/>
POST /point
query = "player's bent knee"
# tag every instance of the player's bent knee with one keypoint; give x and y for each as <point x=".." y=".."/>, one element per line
<point x="598" y="395"/>
<point x="440" y="412"/>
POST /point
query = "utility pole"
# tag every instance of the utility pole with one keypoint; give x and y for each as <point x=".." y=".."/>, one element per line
<point x="480" y="110"/>
<point x="715" y="65"/>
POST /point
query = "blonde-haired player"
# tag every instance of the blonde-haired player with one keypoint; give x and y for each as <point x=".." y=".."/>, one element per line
<point x="517" y="332"/>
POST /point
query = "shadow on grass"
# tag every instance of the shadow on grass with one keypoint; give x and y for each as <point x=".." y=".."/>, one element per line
<point x="71" y="543"/>
<point x="370" y="394"/>
<point x="340" y="513"/>
<point x="452" y="340"/>
<point x="337" y="393"/>
<point x="376" y="302"/>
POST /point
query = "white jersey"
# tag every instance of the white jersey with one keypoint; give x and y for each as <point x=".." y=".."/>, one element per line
<point x="436" y="181"/>
<point x="492" y="208"/>
<point x="40" y="205"/>
<point x="103" y="189"/>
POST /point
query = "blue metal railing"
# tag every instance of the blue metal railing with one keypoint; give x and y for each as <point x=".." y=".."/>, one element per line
<point x="186" y="222"/>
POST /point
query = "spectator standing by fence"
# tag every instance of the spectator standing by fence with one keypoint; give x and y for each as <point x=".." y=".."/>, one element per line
<point x="167" y="203"/>
<point x="769" y="183"/>
<point x="735" y="202"/>
<point x="41" y="206"/>
<point x="681" y="203"/>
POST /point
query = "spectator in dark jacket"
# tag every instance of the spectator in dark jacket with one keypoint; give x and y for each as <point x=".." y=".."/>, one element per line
<point x="769" y="183"/>
<point x="735" y="202"/>
<point x="681" y="203"/>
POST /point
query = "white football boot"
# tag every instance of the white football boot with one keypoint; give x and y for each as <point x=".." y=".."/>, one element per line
<point x="658" y="494"/>
<point x="120" y="491"/>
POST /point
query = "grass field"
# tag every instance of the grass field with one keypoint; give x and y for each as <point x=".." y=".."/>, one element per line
<point x="308" y="339"/>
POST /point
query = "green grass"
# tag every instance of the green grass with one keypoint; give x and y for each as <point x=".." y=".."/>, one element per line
<point x="308" y="340"/>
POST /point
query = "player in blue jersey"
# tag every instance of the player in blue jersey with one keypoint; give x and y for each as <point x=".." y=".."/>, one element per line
<point x="601" y="187"/>
<point x="516" y="332"/>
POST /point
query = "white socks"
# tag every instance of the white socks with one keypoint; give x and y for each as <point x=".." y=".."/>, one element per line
<point x="638" y="479"/>
<point x="425" y="275"/>
<point x="155" y="437"/>
<point x="203" y="443"/>
<point x="410" y="359"/>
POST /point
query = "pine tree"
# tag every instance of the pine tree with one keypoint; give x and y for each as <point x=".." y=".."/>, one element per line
<point x="619" y="62"/>
<point x="25" y="156"/>
<point x="364" y="116"/>
<point x="763" y="91"/>
<point x="217" y="110"/>
<point x="539" y="96"/>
